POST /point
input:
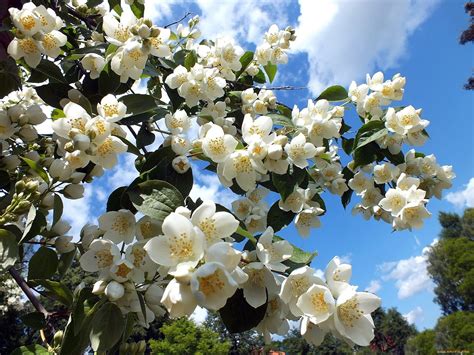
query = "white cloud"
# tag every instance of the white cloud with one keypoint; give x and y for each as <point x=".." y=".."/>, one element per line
<point x="414" y="315"/>
<point x="346" y="39"/>
<point x="346" y="259"/>
<point x="320" y="273"/>
<point x="374" y="286"/>
<point x="463" y="198"/>
<point x="410" y="275"/>
<point x="208" y="187"/>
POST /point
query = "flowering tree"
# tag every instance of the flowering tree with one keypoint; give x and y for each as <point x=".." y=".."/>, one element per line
<point x="155" y="249"/>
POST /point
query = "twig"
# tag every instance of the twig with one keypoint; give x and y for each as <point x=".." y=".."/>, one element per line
<point x="90" y="23"/>
<point x="181" y="19"/>
<point x="135" y="136"/>
<point x="28" y="292"/>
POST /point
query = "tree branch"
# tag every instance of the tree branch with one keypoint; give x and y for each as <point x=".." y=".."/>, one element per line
<point x="181" y="19"/>
<point x="28" y="292"/>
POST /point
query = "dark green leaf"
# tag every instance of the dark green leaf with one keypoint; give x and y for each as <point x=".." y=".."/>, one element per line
<point x="35" y="320"/>
<point x="43" y="264"/>
<point x="65" y="262"/>
<point x="108" y="325"/>
<point x="277" y="218"/>
<point x="333" y="93"/>
<point x="245" y="60"/>
<point x="347" y="145"/>
<point x="114" y="201"/>
<point x="238" y="316"/>
<point x="155" y="198"/>
<point x="8" y="250"/>
<point x="115" y="5"/>
<point x="285" y="184"/>
<point x="109" y="82"/>
<point x="53" y="93"/>
<point x="367" y="131"/>
<point x="56" y="290"/>
<point x="260" y="77"/>
<point x="366" y="154"/>
<point x="9" y="76"/>
<point x="57" y="209"/>
<point x="138" y="103"/>
<point x="138" y="9"/>
<point x="35" y="221"/>
<point x="37" y="169"/>
<point x="51" y="71"/>
<point x="158" y="166"/>
<point x="144" y="137"/>
<point x="271" y="70"/>
<point x="190" y="59"/>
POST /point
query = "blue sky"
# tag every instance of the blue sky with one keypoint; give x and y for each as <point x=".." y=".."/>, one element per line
<point x="342" y="41"/>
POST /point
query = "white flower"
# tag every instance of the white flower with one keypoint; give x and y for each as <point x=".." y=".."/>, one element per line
<point x="394" y="201"/>
<point x="26" y="19"/>
<point x="111" y="109"/>
<point x="7" y="128"/>
<point x="178" y="122"/>
<point x="275" y="320"/>
<point x="114" y="290"/>
<point x="385" y="172"/>
<point x="225" y="254"/>
<point x="313" y="333"/>
<point x="76" y="118"/>
<point x="147" y="228"/>
<point x="217" y="145"/>
<point x="27" y="48"/>
<point x="158" y="46"/>
<point x="260" y="279"/>
<point x="181" y="243"/>
<point x="337" y="276"/>
<point x="212" y="85"/>
<point x="143" y="267"/>
<point x="180" y="145"/>
<point x="102" y="254"/>
<point x="129" y="61"/>
<point x="73" y="191"/>
<point x="212" y="285"/>
<point x="243" y="168"/>
<point x="258" y="129"/>
<point x="297" y="283"/>
<point x="105" y="154"/>
<point x="294" y="202"/>
<point x="359" y="183"/>
<point x="299" y="151"/>
<point x="122" y="270"/>
<point x="352" y="316"/>
<point x="307" y="219"/>
<point x="317" y="303"/>
<point x="358" y="93"/>
<point x="178" y="299"/>
<point x="270" y="253"/>
<point x="118" y="32"/>
<point x="215" y="225"/>
<point x="119" y="226"/>
<point x="177" y="78"/>
<point x="413" y="214"/>
<point x="52" y="43"/>
<point x="94" y="63"/>
<point x="181" y="164"/>
<point x="64" y="244"/>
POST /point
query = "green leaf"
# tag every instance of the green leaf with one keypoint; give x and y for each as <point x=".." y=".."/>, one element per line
<point x="280" y="120"/>
<point x="271" y="70"/>
<point x="115" y="5"/>
<point x="115" y="198"/>
<point x="144" y="137"/>
<point x="65" y="262"/>
<point x="334" y="93"/>
<point x="260" y="77"/>
<point x="158" y="166"/>
<point x="155" y="198"/>
<point x="9" y="76"/>
<point x="369" y="132"/>
<point x="57" y="209"/>
<point x="108" y="325"/>
<point x="109" y="82"/>
<point x="277" y="218"/>
<point x="43" y="264"/>
<point x="53" y="93"/>
<point x="366" y="154"/>
<point x="35" y="221"/>
<point x="190" y="59"/>
<point x="245" y="60"/>
<point x="347" y="195"/>
<point x="285" y="184"/>
<point x="138" y="9"/>
<point x="238" y="316"/>
<point x="55" y="290"/>
<point x="347" y="145"/>
<point x="33" y="349"/>
<point x="138" y="103"/>
<point x="8" y="250"/>
<point x="37" y="169"/>
<point x="131" y="148"/>
<point x="35" y="320"/>
<point x="51" y="71"/>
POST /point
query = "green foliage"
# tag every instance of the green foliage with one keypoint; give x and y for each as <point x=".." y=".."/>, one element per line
<point x="422" y="343"/>
<point x="333" y="93"/>
<point x="182" y="336"/>
<point x="43" y="264"/>
<point x="451" y="263"/>
<point x="8" y="250"/>
<point x="107" y="327"/>
<point x="456" y="332"/>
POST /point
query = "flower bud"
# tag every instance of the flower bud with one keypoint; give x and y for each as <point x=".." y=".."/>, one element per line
<point x="58" y="337"/>
<point x="181" y="164"/>
<point x="48" y="201"/>
<point x="281" y="140"/>
<point x="74" y="95"/>
<point x="63" y="244"/>
<point x="73" y="191"/>
<point x="144" y="31"/>
<point x="114" y="290"/>
<point x="31" y="186"/>
<point x="275" y="151"/>
<point x="20" y="186"/>
<point x="99" y="287"/>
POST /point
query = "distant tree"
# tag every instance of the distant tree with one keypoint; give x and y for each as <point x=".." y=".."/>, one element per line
<point x="240" y="343"/>
<point x="455" y="332"/>
<point x="451" y="263"/>
<point x="468" y="36"/>
<point x="422" y="344"/>
<point x="183" y="336"/>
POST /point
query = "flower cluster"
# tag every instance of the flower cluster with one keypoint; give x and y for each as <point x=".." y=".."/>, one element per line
<point x="274" y="47"/>
<point x="252" y="210"/>
<point x="37" y="32"/>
